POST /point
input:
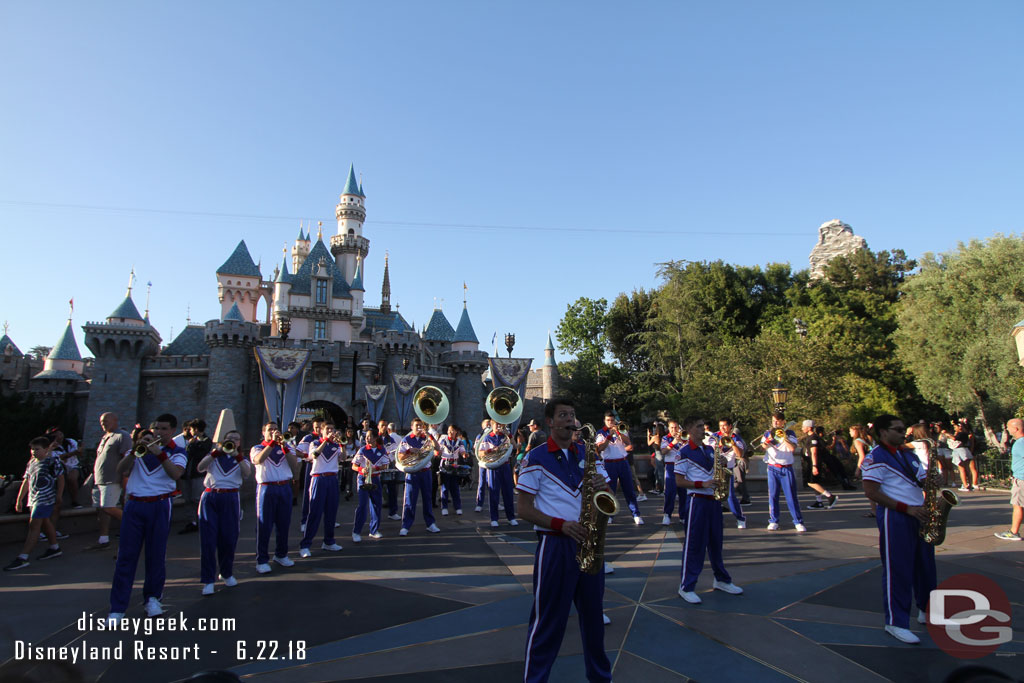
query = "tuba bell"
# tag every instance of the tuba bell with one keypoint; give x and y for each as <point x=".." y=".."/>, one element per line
<point x="430" y="405"/>
<point x="504" y="405"/>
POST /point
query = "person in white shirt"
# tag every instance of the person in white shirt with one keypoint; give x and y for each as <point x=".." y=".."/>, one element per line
<point x="417" y="478"/>
<point x="220" y="510"/>
<point x="389" y="477"/>
<point x="670" y="446"/>
<point x="276" y="465"/>
<point x="614" y="447"/>
<point x="326" y="455"/>
<point x="453" y="453"/>
<point x="778" y="460"/>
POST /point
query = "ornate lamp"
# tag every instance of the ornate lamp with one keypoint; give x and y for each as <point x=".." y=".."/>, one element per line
<point x="284" y="326"/>
<point x="405" y="364"/>
<point x="779" y="395"/>
<point x="510" y="342"/>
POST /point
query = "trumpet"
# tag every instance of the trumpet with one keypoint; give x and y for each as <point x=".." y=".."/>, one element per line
<point x="142" y="447"/>
<point x="726" y="442"/>
<point x="228" y="447"/>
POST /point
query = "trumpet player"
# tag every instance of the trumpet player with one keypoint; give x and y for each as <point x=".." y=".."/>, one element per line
<point x="303" y="452"/>
<point x="779" y="445"/>
<point x="499" y="479"/>
<point x="614" y="446"/>
<point x="152" y="478"/>
<point x="326" y="454"/>
<point x="732" y="446"/>
<point x="389" y="441"/>
<point x="670" y="446"/>
<point x="276" y="465"/>
<point x="452" y="455"/>
<point x="368" y="464"/>
<point x="220" y="511"/>
<point x="417" y="482"/>
<point x="893" y="478"/>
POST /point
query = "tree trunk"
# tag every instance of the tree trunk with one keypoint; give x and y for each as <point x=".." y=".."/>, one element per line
<point x="990" y="436"/>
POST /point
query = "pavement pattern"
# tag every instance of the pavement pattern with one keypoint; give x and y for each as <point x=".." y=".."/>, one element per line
<point x="454" y="606"/>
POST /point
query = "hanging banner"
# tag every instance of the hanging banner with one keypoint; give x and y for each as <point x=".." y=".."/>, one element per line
<point x="512" y="373"/>
<point x="376" y="395"/>
<point x="404" y="385"/>
<point x="282" y="376"/>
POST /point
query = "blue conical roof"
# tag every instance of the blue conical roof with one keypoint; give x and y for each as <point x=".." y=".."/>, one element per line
<point x="127" y="310"/>
<point x="361" y="193"/>
<point x="352" y="185"/>
<point x="464" y="332"/>
<point x="66" y="347"/>
<point x="549" y="358"/>
<point x="300" y="237"/>
<point x="550" y="346"/>
<point x="234" y="314"/>
<point x="438" y="329"/>
<point x="240" y="263"/>
<point x="357" y="279"/>
<point x="6" y="341"/>
<point x="283" y="275"/>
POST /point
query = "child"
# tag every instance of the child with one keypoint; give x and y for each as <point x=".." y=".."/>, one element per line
<point x="42" y="486"/>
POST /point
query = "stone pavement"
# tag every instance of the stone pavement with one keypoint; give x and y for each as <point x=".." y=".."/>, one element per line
<point x="454" y="606"/>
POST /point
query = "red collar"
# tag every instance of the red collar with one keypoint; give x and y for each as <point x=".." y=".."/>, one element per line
<point x="268" y="443"/>
<point x="691" y="444"/>
<point x="894" y="451"/>
<point x="554" y="447"/>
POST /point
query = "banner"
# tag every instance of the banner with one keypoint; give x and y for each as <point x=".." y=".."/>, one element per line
<point x="376" y="395"/>
<point x="404" y="385"/>
<point x="282" y="376"/>
<point x="512" y="373"/>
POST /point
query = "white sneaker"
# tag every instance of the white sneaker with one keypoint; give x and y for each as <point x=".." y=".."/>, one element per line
<point x="741" y="524"/>
<point x="333" y="547"/>
<point x="642" y="498"/>
<point x="666" y="520"/>
<point x="115" y="618"/>
<point x="208" y="589"/>
<point x="302" y="528"/>
<point x="304" y="552"/>
<point x="478" y="509"/>
<point x="377" y="535"/>
<point x="403" y="532"/>
<point x="730" y="588"/>
<point x="772" y="526"/>
<point x="459" y="511"/>
<point x="902" y="634"/>
<point x="607" y="619"/>
<point x="395" y="516"/>
<point x="230" y="582"/>
<point x="501" y="507"/>
<point x="356" y="538"/>
<point x="263" y="568"/>
<point x="284" y="561"/>
<point x="444" y="512"/>
<point x="513" y="522"/>
<point x="337" y="524"/>
<point x="608" y="568"/>
<point x="154" y="608"/>
<point x="494" y="524"/>
<point x="433" y="529"/>
<point x="638" y="520"/>
<point x="690" y="597"/>
<point x="922" y="617"/>
<point x="800" y="528"/>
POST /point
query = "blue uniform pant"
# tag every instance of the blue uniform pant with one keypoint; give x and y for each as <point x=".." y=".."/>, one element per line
<point x="392" y="497"/>
<point x="417" y="485"/>
<point x="908" y="565"/>
<point x="307" y="468"/>
<point x="784" y="479"/>
<point x="450" y="489"/>
<point x="273" y="509"/>
<point x="670" y="493"/>
<point x="323" y="503"/>
<point x="619" y="471"/>
<point x="703" y="536"/>
<point x="371" y="500"/>
<point x="481" y="486"/>
<point x="734" y="502"/>
<point x="499" y="481"/>
<point x="558" y="583"/>
<point x="219" y="519"/>
<point x="146" y="523"/>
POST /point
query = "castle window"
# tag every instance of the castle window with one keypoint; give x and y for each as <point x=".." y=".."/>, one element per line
<point x="321" y="291"/>
<point x="320" y="329"/>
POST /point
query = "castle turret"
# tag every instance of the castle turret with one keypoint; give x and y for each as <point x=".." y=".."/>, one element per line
<point x="549" y="372"/>
<point x="385" y="290"/>
<point x="238" y="282"/>
<point x="64" y="361"/>
<point x="468" y="364"/>
<point x="231" y="357"/>
<point x="349" y="243"/>
<point x="465" y="338"/>
<point x="357" y="290"/>
<point x="282" y="288"/>
<point x="300" y="250"/>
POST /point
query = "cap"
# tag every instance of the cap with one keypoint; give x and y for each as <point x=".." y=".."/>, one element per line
<point x="808" y="423"/>
<point x="532" y="423"/>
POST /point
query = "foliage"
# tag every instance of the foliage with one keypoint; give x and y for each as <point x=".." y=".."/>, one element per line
<point x="22" y="418"/>
<point x="581" y="332"/>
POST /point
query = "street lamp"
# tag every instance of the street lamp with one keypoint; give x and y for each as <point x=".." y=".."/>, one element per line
<point x="510" y="342"/>
<point x="779" y="395"/>
<point x="801" y="327"/>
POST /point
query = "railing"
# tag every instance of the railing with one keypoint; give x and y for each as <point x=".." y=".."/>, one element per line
<point x="993" y="469"/>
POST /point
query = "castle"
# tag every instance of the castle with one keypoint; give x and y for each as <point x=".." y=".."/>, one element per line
<point x="315" y="301"/>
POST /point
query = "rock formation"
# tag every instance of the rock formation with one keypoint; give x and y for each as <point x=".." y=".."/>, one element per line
<point x="835" y="238"/>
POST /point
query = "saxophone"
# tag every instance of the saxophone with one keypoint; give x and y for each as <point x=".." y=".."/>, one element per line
<point x="720" y="476"/>
<point x="937" y="503"/>
<point x="595" y="509"/>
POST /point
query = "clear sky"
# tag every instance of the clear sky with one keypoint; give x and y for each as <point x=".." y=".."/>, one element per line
<point x="538" y="151"/>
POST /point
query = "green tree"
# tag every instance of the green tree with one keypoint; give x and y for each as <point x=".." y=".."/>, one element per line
<point x="581" y="332"/>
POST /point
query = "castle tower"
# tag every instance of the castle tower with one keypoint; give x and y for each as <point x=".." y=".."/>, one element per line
<point x="468" y="364"/>
<point x="385" y="290"/>
<point x="357" y="290"/>
<point x="231" y="340"/>
<point x="119" y="346"/>
<point x="549" y="372"/>
<point x="300" y="250"/>
<point x="64" y="361"/>
<point x="282" y="287"/>
<point x="349" y="243"/>
<point x="238" y="282"/>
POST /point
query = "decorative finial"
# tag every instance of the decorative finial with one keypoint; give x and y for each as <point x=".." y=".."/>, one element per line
<point x="71" y="313"/>
<point x="149" y="286"/>
<point x="319" y="230"/>
<point x="188" y="314"/>
<point x="6" y="327"/>
<point x="464" y="288"/>
<point x="131" y="281"/>
<point x="441" y="307"/>
<point x="435" y="303"/>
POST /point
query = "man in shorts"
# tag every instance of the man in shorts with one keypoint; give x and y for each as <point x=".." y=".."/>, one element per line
<point x="106" y="490"/>
<point x="1016" y="429"/>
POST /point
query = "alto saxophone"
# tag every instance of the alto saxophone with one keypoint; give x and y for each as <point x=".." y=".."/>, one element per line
<point x="720" y="476"/>
<point x="937" y="503"/>
<point x="595" y="509"/>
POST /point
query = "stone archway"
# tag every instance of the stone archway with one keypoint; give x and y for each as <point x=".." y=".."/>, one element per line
<point x="333" y="410"/>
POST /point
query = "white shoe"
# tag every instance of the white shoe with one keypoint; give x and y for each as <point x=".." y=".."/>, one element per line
<point x="302" y="528"/>
<point x="444" y="512"/>
<point x="377" y="535"/>
<point x="690" y="597"/>
<point x="304" y="552"/>
<point x="284" y="561"/>
<point x="494" y="524"/>
<point x="772" y="526"/>
<point x="230" y="582"/>
<point x="902" y="634"/>
<point x="337" y="524"/>
<point x="478" y="509"/>
<point x="513" y="522"/>
<point x="666" y="520"/>
<point x="501" y="507"/>
<point x="922" y="617"/>
<point x="403" y="532"/>
<point x="459" y="511"/>
<point x="608" y="568"/>
<point x="208" y="589"/>
<point x="395" y="516"/>
<point x="332" y="547"/>
<point x="730" y="588"/>
<point x="356" y="538"/>
<point x="641" y="498"/>
<point x="154" y="608"/>
<point x="800" y="528"/>
<point x="607" y="619"/>
<point x="433" y="529"/>
<point x="263" y="568"/>
<point x="741" y="524"/>
<point x="115" y="618"/>
<point x="638" y="520"/>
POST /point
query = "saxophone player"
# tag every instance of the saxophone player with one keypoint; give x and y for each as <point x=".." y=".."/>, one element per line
<point x="733" y="446"/>
<point x="894" y="478"/>
<point x="549" y="487"/>
<point x="695" y="473"/>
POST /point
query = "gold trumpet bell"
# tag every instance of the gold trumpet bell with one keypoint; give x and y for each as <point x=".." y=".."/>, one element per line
<point x="430" y="405"/>
<point x="504" y="405"/>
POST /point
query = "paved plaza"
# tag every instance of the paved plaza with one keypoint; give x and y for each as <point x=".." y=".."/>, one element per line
<point x="454" y="606"/>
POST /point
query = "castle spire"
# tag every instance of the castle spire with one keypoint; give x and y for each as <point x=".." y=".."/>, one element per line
<point x="385" y="290"/>
<point x="131" y="281"/>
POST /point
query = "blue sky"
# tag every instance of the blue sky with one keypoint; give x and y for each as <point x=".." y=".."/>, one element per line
<point x="537" y="151"/>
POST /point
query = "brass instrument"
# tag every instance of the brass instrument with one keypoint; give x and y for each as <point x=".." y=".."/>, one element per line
<point x="622" y="427"/>
<point x="595" y="509"/>
<point x="720" y="472"/>
<point x="416" y="459"/>
<point x="504" y="406"/>
<point x="142" y="447"/>
<point x="779" y="435"/>
<point x="430" y="405"/>
<point x="726" y="442"/>
<point x="937" y="503"/>
<point x="228" y="448"/>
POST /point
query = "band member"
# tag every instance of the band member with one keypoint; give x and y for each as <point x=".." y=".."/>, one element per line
<point x="152" y="478"/>
<point x="733" y="454"/>
<point x="276" y="465"/>
<point x="499" y="479"/>
<point x="220" y="510"/>
<point x="417" y="482"/>
<point x="779" y="444"/>
<point x="813" y="461"/>
<point x="613" y="447"/>
<point x="481" y="472"/>
<point x="353" y="442"/>
<point x="326" y="454"/>
<point x="369" y="462"/>
<point x="550" y="497"/>
<point x="453" y="454"/>
<point x="893" y="478"/>
<point x="670" y="446"/>
<point x="695" y="473"/>
<point x="389" y="442"/>
<point x="307" y="462"/>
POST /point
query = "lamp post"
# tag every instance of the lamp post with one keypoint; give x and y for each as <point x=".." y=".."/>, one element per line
<point x="801" y="327"/>
<point x="510" y="342"/>
<point x="779" y="395"/>
<point x="284" y="326"/>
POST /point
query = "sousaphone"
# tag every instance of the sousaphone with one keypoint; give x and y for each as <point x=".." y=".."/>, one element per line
<point x="504" y="405"/>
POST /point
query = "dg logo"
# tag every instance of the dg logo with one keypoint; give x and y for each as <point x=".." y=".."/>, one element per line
<point x="969" y="616"/>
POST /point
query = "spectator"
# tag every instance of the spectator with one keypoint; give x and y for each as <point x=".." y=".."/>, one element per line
<point x="106" y="491"/>
<point x="1016" y="429"/>
<point x="657" y="432"/>
<point x="963" y="456"/>
<point x="197" y="446"/>
<point x="41" y="487"/>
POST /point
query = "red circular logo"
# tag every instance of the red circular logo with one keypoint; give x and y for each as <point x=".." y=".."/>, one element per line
<point x="969" y="616"/>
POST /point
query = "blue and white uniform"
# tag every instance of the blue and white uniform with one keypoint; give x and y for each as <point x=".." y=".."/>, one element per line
<point x="146" y="520"/>
<point x="323" y="491"/>
<point x="908" y="563"/>
<point x="553" y="476"/>
<point x="670" y="480"/>
<point x="417" y="484"/>
<point x="220" y="512"/>
<point x="730" y="455"/>
<point x="616" y="464"/>
<point x="704" y="519"/>
<point x="390" y="443"/>
<point x="370" y="461"/>
<point x="481" y="474"/>
<point x="452" y="453"/>
<point x="779" y="464"/>
<point x="499" y="479"/>
<point x="302" y="449"/>
<point x="273" y="500"/>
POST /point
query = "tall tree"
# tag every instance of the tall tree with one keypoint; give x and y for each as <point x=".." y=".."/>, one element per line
<point x="581" y="332"/>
